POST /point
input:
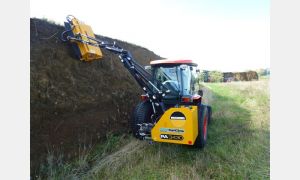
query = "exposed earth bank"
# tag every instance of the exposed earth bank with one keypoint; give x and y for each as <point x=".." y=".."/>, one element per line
<point x="73" y="104"/>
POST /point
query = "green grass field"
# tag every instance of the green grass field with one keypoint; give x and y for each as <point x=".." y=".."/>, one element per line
<point x="238" y="145"/>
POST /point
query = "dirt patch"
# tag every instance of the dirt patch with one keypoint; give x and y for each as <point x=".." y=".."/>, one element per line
<point x="73" y="102"/>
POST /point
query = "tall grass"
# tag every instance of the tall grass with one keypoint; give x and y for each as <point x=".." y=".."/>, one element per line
<point x="238" y="145"/>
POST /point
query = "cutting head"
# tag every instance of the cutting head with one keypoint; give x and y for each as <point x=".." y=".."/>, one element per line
<point x="81" y="36"/>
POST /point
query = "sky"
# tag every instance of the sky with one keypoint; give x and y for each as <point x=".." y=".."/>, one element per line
<point x="224" y="35"/>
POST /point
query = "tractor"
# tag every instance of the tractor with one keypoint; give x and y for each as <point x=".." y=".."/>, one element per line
<point x="171" y="110"/>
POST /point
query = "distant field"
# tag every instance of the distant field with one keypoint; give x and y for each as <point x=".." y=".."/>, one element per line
<point x="238" y="145"/>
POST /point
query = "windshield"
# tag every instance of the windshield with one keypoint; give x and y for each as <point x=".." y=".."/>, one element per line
<point x="168" y="77"/>
<point x="178" y="79"/>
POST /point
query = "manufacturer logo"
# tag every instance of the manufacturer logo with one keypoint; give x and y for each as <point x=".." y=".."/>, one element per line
<point x="177" y="116"/>
<point x="164" y="136"/>
<point x="175" y="130"/>
<point x="171" y="137"/>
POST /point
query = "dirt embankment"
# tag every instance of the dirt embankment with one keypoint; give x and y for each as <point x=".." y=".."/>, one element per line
<point x="74" y="103"/>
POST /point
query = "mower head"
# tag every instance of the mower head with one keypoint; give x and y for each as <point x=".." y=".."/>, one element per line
<point x="83" y="39"/>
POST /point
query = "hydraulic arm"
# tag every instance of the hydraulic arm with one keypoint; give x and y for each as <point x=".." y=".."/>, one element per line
<point x="143" y="77"/>
<point x="87" y="44"/>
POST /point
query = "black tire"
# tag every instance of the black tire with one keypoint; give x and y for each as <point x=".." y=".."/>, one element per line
<point x="141" y="114"/>
<point x="209" y="114"/>
<point x="203" y="116"/>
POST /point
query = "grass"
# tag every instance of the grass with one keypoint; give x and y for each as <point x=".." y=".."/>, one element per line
<point x="238" y="145"/>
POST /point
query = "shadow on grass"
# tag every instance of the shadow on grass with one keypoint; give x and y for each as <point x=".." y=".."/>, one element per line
<point x="231" y="149"/>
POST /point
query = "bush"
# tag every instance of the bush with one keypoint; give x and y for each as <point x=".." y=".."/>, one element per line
<point x="215" y="76"/>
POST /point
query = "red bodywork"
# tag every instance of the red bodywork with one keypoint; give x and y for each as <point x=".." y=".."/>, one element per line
<point x="168" y="61"/>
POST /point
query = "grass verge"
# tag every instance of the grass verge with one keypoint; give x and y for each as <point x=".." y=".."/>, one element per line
<point x="238" y="145"/>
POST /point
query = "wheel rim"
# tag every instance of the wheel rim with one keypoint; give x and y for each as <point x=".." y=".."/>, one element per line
<point x="205" y="127"/>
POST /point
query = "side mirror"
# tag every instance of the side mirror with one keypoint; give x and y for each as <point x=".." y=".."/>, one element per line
<point x="147" y="67"/>
<point x="197" y="70"/>
<point x="200" y="92"/>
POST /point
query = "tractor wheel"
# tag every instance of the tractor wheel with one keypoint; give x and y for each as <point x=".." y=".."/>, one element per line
<point x="209" y="114"/>
<point x="202" y="127"/>
<point x="141" y="114"/>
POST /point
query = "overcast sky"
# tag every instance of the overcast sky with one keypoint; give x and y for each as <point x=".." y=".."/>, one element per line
<point x="226" y="35"/>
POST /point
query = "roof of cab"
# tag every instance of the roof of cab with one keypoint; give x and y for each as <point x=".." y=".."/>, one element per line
<point x="169" y="61"/>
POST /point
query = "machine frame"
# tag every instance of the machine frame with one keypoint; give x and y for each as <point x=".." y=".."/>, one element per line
<point x="183" y="121"/>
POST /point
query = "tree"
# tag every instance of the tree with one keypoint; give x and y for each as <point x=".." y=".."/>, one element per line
<point x="215" y="76"/>
<point x="201" y="77"/>
<point x="263" y="72"/>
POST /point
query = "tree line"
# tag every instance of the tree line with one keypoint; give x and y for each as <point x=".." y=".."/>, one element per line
<point x="218" y="76"/>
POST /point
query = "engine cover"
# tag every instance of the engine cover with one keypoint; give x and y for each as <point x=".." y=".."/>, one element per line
<point x="177" y="125"/>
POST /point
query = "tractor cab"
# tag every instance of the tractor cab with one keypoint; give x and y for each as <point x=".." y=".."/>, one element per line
<point x="177" y="77"/>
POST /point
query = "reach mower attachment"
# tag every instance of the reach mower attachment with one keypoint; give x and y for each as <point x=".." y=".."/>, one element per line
<point x="170" y="110"/>
<point x="83" y="39"/>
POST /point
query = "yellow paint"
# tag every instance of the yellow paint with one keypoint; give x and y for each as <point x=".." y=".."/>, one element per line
<point x="166" y="125"/>
<point x="88" y="52"/>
